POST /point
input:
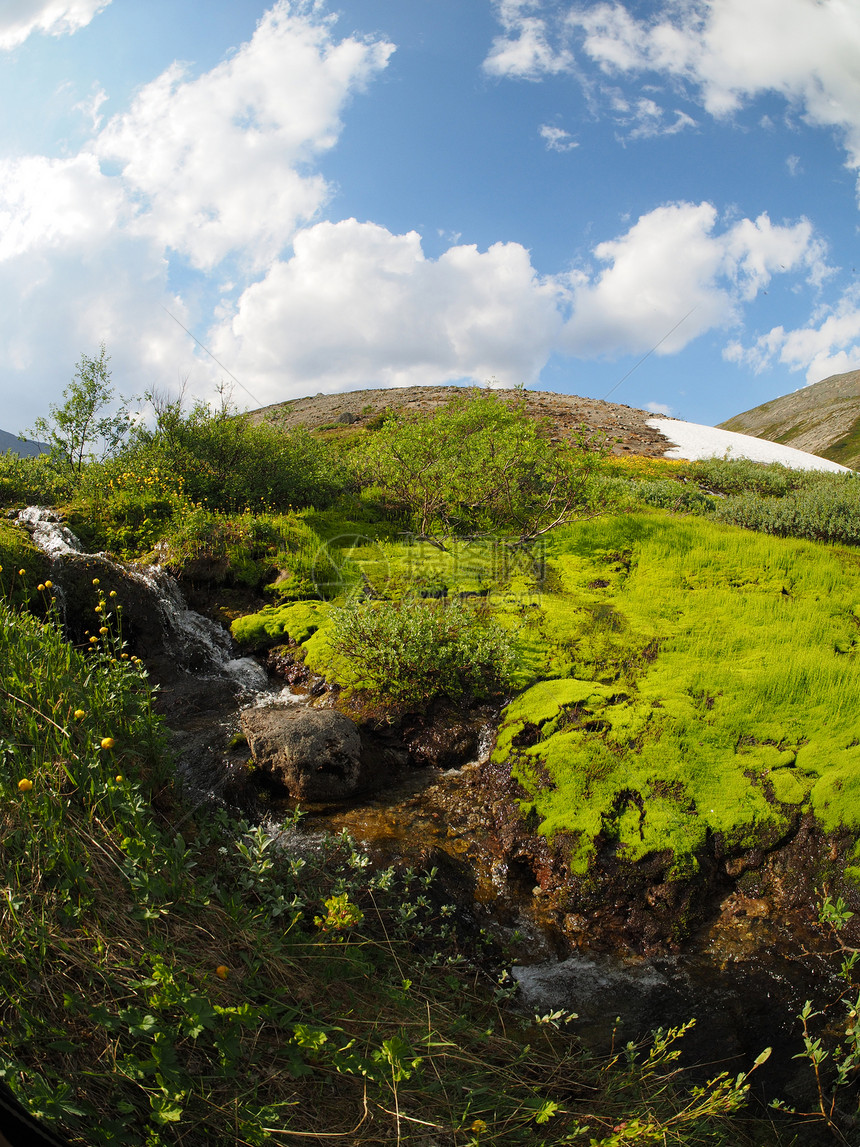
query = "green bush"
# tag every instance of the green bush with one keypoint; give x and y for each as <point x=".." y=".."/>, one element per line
<point x="37" y="479"/>
<point x="252" y="549"/>
<point x="229" y="463"/>
<point x="477" y="464"/>
<point x="825" y="510"/>
<point x="413" y="650"/>
<point x="740" y="475"/>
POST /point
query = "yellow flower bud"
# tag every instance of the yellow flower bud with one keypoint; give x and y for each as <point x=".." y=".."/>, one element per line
<point x="108" y="742"/>
<point x="80" y="714"/>
<point x="95" y="581"/>
<point x="222" y="971"/>
<point x="25" y="785"/>
<point x="48" y="584"/>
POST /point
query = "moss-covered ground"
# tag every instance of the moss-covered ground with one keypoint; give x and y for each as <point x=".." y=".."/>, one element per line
<point x="705" y="680"/>
<point x="678" y="677"/>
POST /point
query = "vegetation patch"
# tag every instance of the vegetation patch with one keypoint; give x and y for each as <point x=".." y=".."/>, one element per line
<point x="721" y="689"/>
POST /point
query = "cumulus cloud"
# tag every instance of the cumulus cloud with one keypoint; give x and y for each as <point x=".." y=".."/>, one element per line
<point x="659" y="408"/>
<point x="217" y="168"/>
<point x="722" y="51"/>
<point x="216" y="164"/>
<point x="829" y="345"/>
<point x="359" y="306"/>
<point x="19" y="18"/>
<point x="673" y="276"/>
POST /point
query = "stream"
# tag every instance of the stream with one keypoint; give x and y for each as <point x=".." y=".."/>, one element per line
<point x="744" y="976"/>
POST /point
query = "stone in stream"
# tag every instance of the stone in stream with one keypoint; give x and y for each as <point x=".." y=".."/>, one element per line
<point x="314" y="753"/>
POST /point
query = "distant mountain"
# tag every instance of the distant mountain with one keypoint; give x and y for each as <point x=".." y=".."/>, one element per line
<point x="822" y="419"/>
<point x="26" y="448"/>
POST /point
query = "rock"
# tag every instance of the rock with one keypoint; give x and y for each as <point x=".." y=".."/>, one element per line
<point x="143" y="624"/>
<point x="314" y="753"/>
<point x="444" y="736"/>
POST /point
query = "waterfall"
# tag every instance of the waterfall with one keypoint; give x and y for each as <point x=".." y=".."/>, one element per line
<point x="192" y="640"/>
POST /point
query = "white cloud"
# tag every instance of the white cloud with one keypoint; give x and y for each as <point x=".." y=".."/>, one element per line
<point x="724" y="51"/>
<point x="218" y="168"/>
<point x="48" y="203"/>
<point x="659" y="408"/>
<point x="216" y="164"/>
<point x="672" y="268"/>
<point x="359" y="306"/>
<point x="525" y="50"/>
<point x="19" y="18"/>
<point x="650" y="120"/>
<point x="556" y="138"/>
<point x="829" y="345"/>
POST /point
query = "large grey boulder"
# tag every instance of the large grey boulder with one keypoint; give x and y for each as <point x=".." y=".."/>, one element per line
<point x="314" y="753"/>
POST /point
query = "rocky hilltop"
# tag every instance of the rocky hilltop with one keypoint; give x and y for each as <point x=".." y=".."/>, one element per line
<point x="822" y="419"/>
<point x="625" y="426"/>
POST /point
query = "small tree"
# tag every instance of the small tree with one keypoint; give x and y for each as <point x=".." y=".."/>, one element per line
<point x="480" y="463"/>
<point x="81" y="424"/>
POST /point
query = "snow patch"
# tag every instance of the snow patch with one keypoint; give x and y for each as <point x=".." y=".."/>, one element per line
<point x="694" y="442"/>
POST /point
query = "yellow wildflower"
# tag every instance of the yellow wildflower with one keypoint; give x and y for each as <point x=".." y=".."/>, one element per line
<point x="80" y="714"/>
<point x="222" y="971"/>
<point x="25" y="785"/>
<point x="108" y="742"/>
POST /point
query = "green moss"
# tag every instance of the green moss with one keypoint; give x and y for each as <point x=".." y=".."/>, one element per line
<point x="298" y="621"/>
<point x="721" y="689"/>
<point x="17" y="553"/>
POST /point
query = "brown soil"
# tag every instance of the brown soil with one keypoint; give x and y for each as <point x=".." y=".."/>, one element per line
<point x="625" y="427"/>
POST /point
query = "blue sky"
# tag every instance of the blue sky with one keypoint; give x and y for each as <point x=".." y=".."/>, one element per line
<point x="652" y="201"/>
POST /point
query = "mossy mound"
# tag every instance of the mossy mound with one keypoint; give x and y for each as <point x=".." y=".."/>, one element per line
<point x="706" y="685"/>
<point x="23" y="567"/>
<point x="277" y="623"/>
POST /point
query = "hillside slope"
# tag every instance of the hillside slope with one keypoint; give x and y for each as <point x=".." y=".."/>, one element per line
<point x="822" y="419"/>
<point x="568" y="412"/>
<point x="627" y="429"/>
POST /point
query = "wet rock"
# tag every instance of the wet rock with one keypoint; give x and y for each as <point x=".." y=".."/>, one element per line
<point x="314" y="753"/>
<point x="141" y="623"/>
<point x="444" y="737"/>
<point x="283" y="662"/>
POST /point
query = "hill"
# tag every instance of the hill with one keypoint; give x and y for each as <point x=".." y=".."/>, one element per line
<point x="630" y="431"/>
<point x="822" y="419"/>
<point x="568" y="412"/>
<point x="20" y="446"/>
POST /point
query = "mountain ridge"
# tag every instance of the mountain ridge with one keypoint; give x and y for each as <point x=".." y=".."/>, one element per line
<point x="822" y="419"/>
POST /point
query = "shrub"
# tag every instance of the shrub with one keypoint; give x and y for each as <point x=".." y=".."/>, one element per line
<point x="477" y="464"/>
<point x="740" y="475"/>
<point x="826" y="510"/>
<point x="413" y="650"/>
<point x="229" y="463"/>
<point x="35" y="479"/>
